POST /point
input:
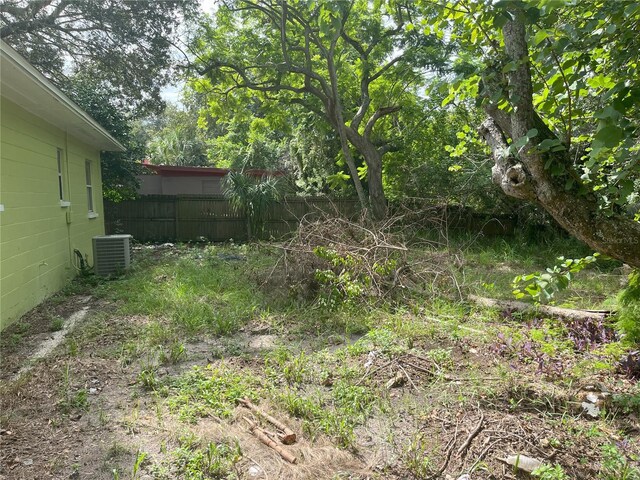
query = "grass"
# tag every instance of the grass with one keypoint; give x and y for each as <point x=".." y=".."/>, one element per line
<point x="210" y="391"/>
<point x="490" y="265"/>
<point x="195" y="459"/>
<point x="189" y="295"/>
<point x="179" y="327"/>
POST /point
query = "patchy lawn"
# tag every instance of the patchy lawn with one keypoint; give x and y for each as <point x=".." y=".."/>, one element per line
<point x="147" y="386"/>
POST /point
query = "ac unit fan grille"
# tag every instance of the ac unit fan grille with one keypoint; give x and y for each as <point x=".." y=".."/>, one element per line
<point x="112" y="254"/>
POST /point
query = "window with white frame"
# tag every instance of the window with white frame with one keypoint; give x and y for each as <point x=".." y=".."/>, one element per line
<point x="60" y="176"/>
<point x="87" y="166"/>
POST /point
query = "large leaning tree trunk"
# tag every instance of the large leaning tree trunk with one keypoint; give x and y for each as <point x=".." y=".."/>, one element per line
<point x="524" y="174"/>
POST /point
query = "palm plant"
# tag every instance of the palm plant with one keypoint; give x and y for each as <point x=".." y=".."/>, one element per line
<point x="252" y="197"/>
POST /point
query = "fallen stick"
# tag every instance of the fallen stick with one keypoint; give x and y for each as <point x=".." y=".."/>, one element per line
<point x="416" y="367"/>
<point x="568" y="313"/>
<point x="264" y="438"/>
<point x="483" y="453"/>
<point x="371" y="372"/>
<point x="447" y="458"/>
<point x="471" y="436"/>
<point x="408" y="378"/>
<point x="287" y="437"/>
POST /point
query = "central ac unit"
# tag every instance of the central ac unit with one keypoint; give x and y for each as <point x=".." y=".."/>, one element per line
<point x="111" y="254"/>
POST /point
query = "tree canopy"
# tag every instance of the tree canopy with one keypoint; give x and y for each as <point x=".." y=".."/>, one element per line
<point x="350" y="63"/>
<point x="124" y="44"/>
<point x="559" y="84"/>
<point x="539" y="96"/>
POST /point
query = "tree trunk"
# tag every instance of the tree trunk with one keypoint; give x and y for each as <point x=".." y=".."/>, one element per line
<point x="526" y="177"/>
<point x="373" y="159"/>
<point x="338" y="119"/>
<point x="377" y="199"/>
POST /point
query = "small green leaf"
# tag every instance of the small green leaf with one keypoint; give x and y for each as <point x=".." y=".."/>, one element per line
<point x="510" y="67"/>
<point x="609" y="136"/>
<point x="540" y="36"/>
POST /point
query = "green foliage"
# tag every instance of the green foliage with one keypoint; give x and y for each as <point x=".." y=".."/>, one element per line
<point x="196" y="291"/>
<point x="548" y="472"/>
<point x="70" y="399"/>
<point x="253" y="198"/>
<point x="118" y="169"/>
<point x="175" y="353"/>
<point x="315" y="159"/>
<point x="215" y="460"/>
<point x="120" y="44"/>
<point x="294" y="369"/>
<point x="174" y="137"/>
<point x="211" y="390"/>
<point x="349" y="406"/>
<point x="628" y="318"/>
<point x="441" y="159"/>
<point x="357" y="69"/>
<point x="587" y="99"/>
<point x="140" y="458"/>
<point x="417" y="459"/>
<point x="615" y="465"/>
<point x="542" y="287"/>
<point x="350" y="278"/>
<point x="147" y="376"/>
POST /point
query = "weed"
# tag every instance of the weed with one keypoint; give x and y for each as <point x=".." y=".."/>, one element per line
<point x="73" y="349"/>
<point x="417" y="460"/>
<point x="176" y="353"/>
<point x="210" y="390"/>
<point x="350" y="406"/>
<point x="103" y="417"/>
<point x="441" y="357"/>
<point x="116" y="450"/>
<point x="147" y="377"/>
<point x="195" y="297"/>
<point x="615" y="465"/>
<point x="548" y="472"/>
<point x="16" y="333"/>
<point x="629" y="301"/>
<point x="140" y="458"/>
<point x="129" y="351"/>
<point x="228" y="348"/>
<point x="381" y="340"/>
<point x="130" y="422"/>
<point x="628" y="403"/>
<point x="215" y="460"/>
<point x="57" y="323"/>
<point x="69" y="400"/>
<point x="281" y="363"/>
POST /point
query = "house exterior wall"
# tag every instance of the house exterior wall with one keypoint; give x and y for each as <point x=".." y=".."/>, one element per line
<point x="180" y="185"/>
<point x="150" y="185"/>
<point x="37" y="233"/>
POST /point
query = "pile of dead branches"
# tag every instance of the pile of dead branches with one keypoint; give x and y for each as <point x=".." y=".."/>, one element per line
<point x="347" y="259"/>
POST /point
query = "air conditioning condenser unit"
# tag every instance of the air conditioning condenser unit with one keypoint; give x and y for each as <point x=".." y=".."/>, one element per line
<point x="111" y="254"/>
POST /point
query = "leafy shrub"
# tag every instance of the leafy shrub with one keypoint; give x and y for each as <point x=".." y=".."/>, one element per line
<point x="350" y="277"/>
<point x="542" y="287"/>
<point x="629" y="315"/>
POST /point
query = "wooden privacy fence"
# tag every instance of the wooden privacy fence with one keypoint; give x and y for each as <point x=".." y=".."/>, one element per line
<point x="168" y="218"/>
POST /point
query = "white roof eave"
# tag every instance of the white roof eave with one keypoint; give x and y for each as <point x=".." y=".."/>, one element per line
<point x="24" y="85"/>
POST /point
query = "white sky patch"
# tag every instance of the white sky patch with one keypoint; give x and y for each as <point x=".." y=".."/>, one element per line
<point x="171" y="93"/>
<point x="208" y="6"/>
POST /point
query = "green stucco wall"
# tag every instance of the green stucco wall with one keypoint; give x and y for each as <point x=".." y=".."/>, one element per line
<point x="37" y="234"/>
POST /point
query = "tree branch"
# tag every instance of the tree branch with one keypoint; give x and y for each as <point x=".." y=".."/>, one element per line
<point x="381" y="112"/>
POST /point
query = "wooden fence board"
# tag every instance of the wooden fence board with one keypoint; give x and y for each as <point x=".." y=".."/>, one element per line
<point x="164" y="218"/>
<point x="153" y="218"/>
